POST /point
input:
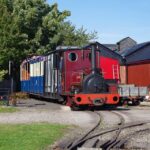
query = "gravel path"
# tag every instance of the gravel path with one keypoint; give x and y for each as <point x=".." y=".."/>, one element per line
<point x="41" y="111"/>
<point x="31" y="111"/>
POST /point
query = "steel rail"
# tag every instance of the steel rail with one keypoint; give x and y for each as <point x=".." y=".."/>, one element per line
<point x="71" y="145"/>
<point x="129" y="125"/>
<point x="110" y="143"/>
<point x="120" y="142"/>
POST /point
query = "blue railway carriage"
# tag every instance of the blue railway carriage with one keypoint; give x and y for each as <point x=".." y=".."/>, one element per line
<point x="40" y="76"/>
<point x="32" y="75"/>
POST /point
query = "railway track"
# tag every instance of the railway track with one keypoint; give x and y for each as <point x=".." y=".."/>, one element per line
<point x="75" y="144"/>
<point x="92" y="138"/>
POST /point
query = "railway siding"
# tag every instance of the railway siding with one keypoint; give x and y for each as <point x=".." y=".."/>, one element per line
<point x="116" y="136"/>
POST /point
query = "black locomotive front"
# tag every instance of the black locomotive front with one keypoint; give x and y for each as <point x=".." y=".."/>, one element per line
<point x="94" y="82"/>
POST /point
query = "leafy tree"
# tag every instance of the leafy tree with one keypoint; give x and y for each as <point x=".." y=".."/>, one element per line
<point x="26" y="27"/>
<point x="2" y="74"/>
<point x="34" y="27"/>
<point x="69" y="35"/>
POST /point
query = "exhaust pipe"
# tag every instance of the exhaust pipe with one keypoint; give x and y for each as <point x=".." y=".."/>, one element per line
<point x="93" y="58"/>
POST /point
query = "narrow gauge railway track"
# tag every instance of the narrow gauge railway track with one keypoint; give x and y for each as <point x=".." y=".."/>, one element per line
<point x="121" y="141"/>
<point x="108" y="144"/>
<point x="74" y="145"/>
<point x="115" y="142"/>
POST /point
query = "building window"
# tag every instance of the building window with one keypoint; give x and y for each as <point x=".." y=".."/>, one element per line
<point x="72" y="56"/>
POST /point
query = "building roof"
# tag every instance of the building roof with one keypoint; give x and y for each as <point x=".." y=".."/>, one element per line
<point x="111" y="46"/>
<point x="122" y="44"/>
<point x="137" y="53"/>
<point x="124" y="39"/>
<point x="133" y="49"/>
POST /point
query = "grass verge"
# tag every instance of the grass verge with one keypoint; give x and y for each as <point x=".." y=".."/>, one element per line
<point x="29" y="136"/>
<point x="7" y="109"/>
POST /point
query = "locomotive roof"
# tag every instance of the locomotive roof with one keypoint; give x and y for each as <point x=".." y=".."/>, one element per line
<point x="100" y="47"/>
<point x="67" y="47"/>
<point x="105" y="51"/>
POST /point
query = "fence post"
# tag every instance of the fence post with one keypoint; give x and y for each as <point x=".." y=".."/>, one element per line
<point x="11" y="76"/>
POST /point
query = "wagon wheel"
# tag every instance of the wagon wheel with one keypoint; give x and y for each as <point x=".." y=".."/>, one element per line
<point x="135" y="103"/>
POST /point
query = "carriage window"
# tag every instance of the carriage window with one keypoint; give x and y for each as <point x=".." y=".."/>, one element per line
<point x="72" y="56"/>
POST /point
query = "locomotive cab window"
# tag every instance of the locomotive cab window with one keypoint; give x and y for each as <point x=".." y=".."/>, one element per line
<point x="72" y="56"/>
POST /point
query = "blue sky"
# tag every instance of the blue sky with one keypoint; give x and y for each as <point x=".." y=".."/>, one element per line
<point x="112" y="19"/>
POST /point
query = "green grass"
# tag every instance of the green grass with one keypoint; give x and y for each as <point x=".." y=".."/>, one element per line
<point x="7" y="109"/>
<point x="29" y="136"/>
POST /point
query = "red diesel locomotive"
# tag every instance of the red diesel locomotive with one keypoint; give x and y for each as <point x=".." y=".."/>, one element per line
<point x="72" y="75"/>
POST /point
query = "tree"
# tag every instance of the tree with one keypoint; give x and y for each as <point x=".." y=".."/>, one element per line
<point x="26" y="27"/>
<point x="2" y="74"/>
<point x="34" y="27"/>
<point x="70" y="35"/>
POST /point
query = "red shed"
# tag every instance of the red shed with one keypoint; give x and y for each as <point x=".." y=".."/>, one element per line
<point x="137" y="68"/>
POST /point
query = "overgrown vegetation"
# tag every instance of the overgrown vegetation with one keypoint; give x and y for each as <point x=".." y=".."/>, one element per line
<point x="34" y="27"/>
<point x="29" y="136"/>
